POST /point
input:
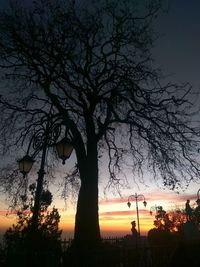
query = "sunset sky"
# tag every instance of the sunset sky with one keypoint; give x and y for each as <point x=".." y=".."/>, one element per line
<point x="177" y="52"/>
<point x="115" y="216"/>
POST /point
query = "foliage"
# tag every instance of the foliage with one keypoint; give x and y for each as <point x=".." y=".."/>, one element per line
<point x="48" y="232"/>
<point x="21" y="240"/>
<point x="177" y="235"/>
<point x="171" y="221"/>
<point x="168" y="228"/>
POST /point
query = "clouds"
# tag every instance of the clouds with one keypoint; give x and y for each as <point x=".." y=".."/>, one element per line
<point x="117" y="213"/>
<point x="154" y="196"/>
<point x="116" y="216"/>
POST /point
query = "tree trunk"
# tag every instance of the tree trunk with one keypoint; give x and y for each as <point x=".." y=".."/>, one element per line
<point x="87" y="231"/>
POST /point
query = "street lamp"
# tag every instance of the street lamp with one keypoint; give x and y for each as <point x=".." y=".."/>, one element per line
<point x="64" y="149"/>
<point x="136" y="197"/>
<point x="198" y="192"/>
<point x="25" y="164"/>
<point x="42" y="139"/>
<point x="198" y="199"/>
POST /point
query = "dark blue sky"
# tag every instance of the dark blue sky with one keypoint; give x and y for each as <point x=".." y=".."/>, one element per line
<point x="178" y="49"/>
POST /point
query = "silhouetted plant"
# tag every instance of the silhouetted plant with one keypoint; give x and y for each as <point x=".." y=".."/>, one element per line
<point x="44" y="244"/>
<point x="175" y="240"/>
<point x="169" y="227"/>
<point x="171" y="221"/>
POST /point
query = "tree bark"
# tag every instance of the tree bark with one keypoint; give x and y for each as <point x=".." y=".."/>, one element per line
<point x="87" y="230"/>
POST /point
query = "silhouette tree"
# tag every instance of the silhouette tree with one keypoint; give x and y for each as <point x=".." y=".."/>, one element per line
<point x="175" y="239"/>
<point x="166" y="234"/>
<point x="171" y="221"/>
<point x="43" y="246"/>
<point x="93" y="64"/>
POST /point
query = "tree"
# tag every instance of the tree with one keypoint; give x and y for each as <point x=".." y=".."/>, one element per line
<point x="167" y="231"/>
<point x="92" y="64"/>
<point x="174" y="238"/>
<point x="171" y="221"/>
<point x="43" y="246"/>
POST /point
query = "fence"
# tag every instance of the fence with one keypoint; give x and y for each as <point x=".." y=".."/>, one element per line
<point x="118" y="253"/>
<point x="116" y="241"/>
<point x="115" y="252"/>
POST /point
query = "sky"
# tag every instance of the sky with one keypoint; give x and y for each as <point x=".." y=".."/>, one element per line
<point x="177" y="52"/>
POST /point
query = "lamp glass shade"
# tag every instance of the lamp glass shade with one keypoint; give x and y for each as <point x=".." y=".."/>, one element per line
<point x="25" y="164"/>
<point x="64" y="149"/>
<point x="145" y="203"/>
<point x="129" y="204"/>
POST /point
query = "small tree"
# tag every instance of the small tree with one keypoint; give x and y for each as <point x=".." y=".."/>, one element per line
<point x="168" y="229"/>
<point x="175" y="240"/>
<point x="171" y="221"/>
<point x="21" y="244"/>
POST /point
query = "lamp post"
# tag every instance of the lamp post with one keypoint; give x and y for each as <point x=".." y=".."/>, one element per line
<point x="198" y="200"/>
<point x="64" y="148"/>
<point x="136" y="197"/>
<point x="198" y="192"/>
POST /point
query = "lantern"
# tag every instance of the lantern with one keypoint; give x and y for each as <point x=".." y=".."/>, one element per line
<point x="129" y="204"/>
<point x="145" y="203"/>
<point x="64" y="149"/>
<point x="25" y="164"/>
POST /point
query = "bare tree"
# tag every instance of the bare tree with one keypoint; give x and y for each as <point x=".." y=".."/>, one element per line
<point x="93" y="65"/>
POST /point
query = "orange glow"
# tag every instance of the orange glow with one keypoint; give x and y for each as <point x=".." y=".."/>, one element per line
<point x="6" y="221"/>
<point x="120" y="221"/>
<point x="114" y="215"/>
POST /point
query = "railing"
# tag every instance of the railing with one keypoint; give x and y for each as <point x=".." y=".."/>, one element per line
<point x="118" y="241"/>
<point x="115" y="253"/>
<point x="65" y="244"/>
<point x="119" y="254"/>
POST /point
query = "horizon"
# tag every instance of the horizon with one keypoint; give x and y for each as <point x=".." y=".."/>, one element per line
<point x="114" y="215"/>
